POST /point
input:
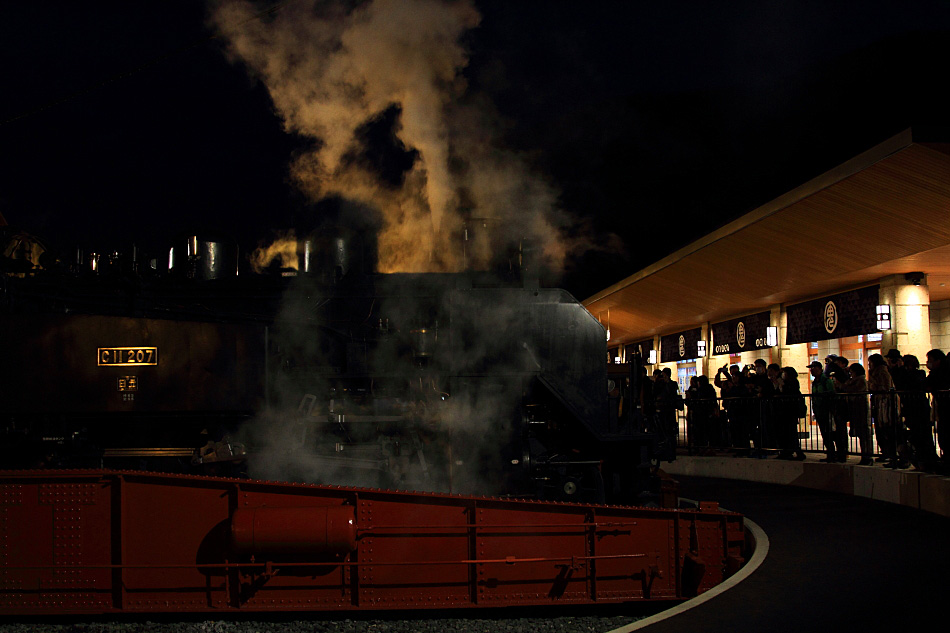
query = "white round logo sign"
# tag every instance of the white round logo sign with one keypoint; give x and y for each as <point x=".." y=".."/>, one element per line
<point x="682" y="346"/>
<point x="830" y="317"/>
<point x="740" y="334"/>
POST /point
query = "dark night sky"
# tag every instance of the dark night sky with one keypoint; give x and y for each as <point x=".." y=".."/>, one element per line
<point x="656" y="121"/>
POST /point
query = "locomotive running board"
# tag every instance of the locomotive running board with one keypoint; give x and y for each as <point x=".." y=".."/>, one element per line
<point x="75" y="542"/>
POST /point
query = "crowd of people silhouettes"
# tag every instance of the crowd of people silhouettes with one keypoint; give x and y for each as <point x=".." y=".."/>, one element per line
<point x="759" y="407"/>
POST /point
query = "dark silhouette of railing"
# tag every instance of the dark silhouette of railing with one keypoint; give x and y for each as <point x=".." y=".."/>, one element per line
<point x="900" y="424"/>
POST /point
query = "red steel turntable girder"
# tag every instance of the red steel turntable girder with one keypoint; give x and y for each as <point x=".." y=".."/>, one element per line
<point x="109" y="542"/>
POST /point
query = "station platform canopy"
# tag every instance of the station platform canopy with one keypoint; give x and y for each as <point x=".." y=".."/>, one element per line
<point x="884" y="212"/>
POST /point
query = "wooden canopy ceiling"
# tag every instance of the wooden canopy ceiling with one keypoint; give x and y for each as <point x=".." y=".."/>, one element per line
<point x="884" y="212"/>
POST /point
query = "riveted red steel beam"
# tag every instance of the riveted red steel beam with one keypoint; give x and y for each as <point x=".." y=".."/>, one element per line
<point x="111" y="542"/>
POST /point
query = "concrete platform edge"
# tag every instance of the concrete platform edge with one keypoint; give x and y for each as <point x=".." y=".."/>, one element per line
<point x="915" y="489"/>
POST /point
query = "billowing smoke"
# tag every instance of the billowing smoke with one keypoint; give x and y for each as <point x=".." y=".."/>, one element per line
<point x="282" y="251"/>
<point x="333" y="68"/>
<point x="395" y="136"/>
<point x="418" y="385"/>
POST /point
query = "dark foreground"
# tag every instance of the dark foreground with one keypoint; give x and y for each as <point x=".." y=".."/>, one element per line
<point x="489" y="621"/>
<point x="836" y="563"/>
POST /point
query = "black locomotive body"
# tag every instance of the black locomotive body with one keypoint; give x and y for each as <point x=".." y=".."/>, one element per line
<point x="462" y="382"/>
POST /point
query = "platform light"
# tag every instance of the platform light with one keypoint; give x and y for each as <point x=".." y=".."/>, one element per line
<point x="771" y="336"/>
<point x="883" y="312"/>
<point x="652" y="357"/>
<point x="700" y="349"/>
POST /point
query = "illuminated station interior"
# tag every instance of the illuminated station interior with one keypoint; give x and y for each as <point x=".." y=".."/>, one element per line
<point x="853" y="262"/>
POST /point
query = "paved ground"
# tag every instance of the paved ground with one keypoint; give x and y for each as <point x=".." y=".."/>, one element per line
<point x="837" y="563"/>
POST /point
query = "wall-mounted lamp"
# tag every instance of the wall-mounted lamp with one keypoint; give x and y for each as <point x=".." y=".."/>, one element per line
<point x="883" y="313"/>
<point x="914" y="278"/>
<point x="652" y="357"/>
<point x="771" y="336"/>
<point x="700" y="349"/>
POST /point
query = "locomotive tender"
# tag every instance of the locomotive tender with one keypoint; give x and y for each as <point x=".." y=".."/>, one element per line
<point x="471" y="382"/>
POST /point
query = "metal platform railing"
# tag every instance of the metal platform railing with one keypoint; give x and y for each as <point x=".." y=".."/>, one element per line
<point x="899" y="424"/>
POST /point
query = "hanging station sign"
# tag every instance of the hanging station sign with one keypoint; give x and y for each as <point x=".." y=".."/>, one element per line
<point x="740" y="335"/>
<point x="845" y="314"/>
<point x="644" y="347"/>
<point x="680" y="346"/>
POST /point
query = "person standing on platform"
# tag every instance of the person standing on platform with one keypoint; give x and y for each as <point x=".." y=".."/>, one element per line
<point x="790" y="408"/>
<point x="917" y="416"/>
<point x="694" y="431"/>
<point x="938" y="384"/>
<point x="884" y="409"/>
<point x="841" y="368"/>
<point x="776" y="418"/>
<point x="837" y="368"/>
<point x="901" y="377"/>
<point x="822" y="406"/>
<point x="729" y="381"/>
<point x="763" y="389"/>
<point x="895" y="367"/>
<point x="708" y="419"/>
<point x="647" y="405"/>
<point x="666" y="397"/>
<point x="857" y="385"/>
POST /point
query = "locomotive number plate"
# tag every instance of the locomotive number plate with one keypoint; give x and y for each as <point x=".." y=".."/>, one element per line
<point x="120" y="356"/>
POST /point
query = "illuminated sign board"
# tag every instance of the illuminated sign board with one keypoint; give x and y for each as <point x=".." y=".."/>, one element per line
<point x="127" y="383"/>
<point x="844" y="314"/>
<point x="124" y="356"/>
<point x="741" y="335"/>
<point x="680" y="346"/>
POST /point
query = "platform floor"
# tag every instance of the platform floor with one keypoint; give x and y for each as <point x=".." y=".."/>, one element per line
<point x="837" y="562"/>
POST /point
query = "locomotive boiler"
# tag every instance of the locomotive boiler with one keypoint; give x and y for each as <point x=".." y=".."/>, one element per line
<point x="472" y="382"/>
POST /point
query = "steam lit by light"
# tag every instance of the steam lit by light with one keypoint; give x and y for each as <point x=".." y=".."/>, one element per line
<point x="331" y="70"/>
<point x="282" y="250"/>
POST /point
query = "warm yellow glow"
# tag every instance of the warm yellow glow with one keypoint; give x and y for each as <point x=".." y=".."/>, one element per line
<point x="283" y="250"/>
<point x="330" y="72"/>
<point x="914" y="318"/>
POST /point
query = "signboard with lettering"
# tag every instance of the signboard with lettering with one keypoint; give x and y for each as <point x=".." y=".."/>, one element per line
<point x="124" y="356"/>
<point x="845" y="314"/>
<point x="644" y="348"/>
<point x="679" y="346"/>
<point x="740" y="335"/>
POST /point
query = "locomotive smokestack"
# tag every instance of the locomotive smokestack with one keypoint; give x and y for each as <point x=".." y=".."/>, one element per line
<point x="203" y="258"/>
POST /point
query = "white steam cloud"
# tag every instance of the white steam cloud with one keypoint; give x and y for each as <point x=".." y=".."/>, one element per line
<point x="331" y="67"/>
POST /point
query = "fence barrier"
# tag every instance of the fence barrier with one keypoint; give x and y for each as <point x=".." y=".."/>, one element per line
<point x="895" y="426"/>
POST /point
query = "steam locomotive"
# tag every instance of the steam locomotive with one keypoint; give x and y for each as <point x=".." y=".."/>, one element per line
<point x="472" y="382"/>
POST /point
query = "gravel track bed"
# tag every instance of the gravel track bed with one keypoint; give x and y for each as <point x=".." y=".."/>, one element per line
<point x="578" y="623"/>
